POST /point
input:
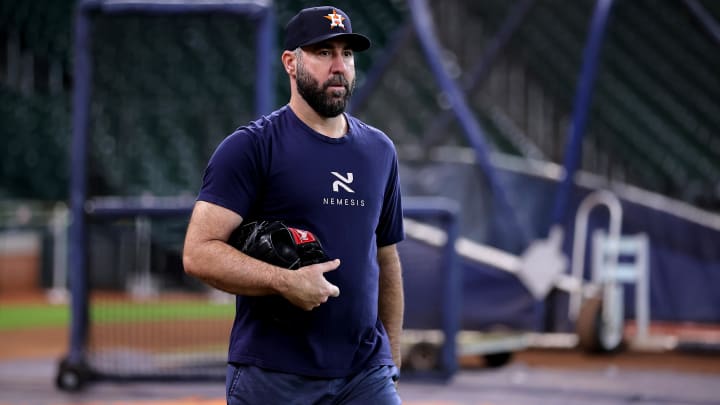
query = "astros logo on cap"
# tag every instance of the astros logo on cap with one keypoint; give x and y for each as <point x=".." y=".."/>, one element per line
<point x="335" y="19"/>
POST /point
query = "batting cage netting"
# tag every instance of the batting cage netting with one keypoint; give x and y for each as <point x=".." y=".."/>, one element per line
<point x="158" y="86"/>
<point x="165" y="91"/>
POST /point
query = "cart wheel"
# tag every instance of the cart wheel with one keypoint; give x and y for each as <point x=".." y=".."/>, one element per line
<point x="71" y="377"/>
<point x="496" y="360"/>
<point x="591" y="331"/>
<point x="423" y="356"/>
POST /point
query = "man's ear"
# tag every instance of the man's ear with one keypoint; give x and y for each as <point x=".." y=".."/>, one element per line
<point x="289" y="62"/>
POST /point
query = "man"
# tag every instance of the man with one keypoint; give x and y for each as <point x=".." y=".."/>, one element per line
<point x="316" y="168"/>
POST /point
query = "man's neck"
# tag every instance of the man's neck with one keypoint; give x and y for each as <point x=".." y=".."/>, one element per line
<point x="333" y="127"/>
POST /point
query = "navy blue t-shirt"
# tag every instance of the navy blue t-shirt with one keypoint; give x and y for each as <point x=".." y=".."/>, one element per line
<point x="346" y="191"/>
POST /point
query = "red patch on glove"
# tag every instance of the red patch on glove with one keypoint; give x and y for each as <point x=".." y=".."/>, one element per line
<point x="300" y="236"/>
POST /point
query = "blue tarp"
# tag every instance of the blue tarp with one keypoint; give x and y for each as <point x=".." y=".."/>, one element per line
<point x="684" y="254"/>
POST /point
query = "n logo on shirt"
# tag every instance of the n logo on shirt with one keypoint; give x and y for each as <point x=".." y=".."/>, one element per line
<point x="342" y="182"/>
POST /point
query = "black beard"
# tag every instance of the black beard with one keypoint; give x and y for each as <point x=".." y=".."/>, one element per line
<point x="317" y="96"/>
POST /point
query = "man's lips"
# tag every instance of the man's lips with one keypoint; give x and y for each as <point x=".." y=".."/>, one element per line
<point x="336" y="89"/>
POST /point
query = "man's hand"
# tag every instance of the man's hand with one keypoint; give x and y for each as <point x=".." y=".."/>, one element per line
<point x="307" y="287"/>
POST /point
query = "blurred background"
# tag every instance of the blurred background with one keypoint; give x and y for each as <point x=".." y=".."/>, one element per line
<point x="514" y="113"/>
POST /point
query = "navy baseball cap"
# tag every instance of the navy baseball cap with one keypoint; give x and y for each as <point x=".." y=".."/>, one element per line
<point x="317" y="24"/>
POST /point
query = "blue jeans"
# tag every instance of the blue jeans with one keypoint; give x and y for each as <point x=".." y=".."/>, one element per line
<point x="253" y="385"/>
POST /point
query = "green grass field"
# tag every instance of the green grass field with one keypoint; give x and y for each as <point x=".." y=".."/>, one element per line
<point x="19" y="316"/>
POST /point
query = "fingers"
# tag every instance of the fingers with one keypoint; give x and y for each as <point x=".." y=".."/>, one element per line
<point x="334" y="291"/>
<point x="331" y="265"/>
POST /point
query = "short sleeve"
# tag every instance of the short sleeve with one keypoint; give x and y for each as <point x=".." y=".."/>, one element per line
<point x="390" y="227"/>
<point x="234" y="173"/>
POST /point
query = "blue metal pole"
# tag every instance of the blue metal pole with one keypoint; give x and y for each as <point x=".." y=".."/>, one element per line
<point x="77" y="255"/>
<point x="448" y="211"/>
<point x="471" y="127"/>
<point x="581" y="107"/>
<point x="453" y="295"/>
<point x="709" y="23"/>
<point x="485" y="62"/>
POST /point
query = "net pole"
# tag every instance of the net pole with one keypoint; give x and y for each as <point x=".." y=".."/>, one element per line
<point x="581" y="108"/>
<point x="77" y="255"/>
<point x="471" y="127"/>
<point x="447" y="211"/>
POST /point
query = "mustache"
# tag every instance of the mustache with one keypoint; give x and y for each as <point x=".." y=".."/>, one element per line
<point x="338" y="80"/>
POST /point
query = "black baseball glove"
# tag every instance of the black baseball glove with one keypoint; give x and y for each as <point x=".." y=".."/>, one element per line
<point x="275" y="243"/>
<point x="291" y="248"/>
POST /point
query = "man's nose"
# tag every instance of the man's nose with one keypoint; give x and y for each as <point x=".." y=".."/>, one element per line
<point x="338" y="64"/>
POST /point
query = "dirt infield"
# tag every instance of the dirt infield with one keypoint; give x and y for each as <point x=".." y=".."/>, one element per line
<point x="161" y="335"/>
<point x="629" y="360"/>
<point x="33" y="343"/>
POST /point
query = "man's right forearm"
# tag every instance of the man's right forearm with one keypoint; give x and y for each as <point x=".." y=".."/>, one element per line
<point x="225" y="268"/>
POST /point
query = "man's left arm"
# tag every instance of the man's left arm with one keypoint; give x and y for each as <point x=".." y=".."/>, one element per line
<point x="391" y="302"/>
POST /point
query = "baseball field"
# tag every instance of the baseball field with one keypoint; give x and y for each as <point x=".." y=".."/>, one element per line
<point x="35" y="336"/>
